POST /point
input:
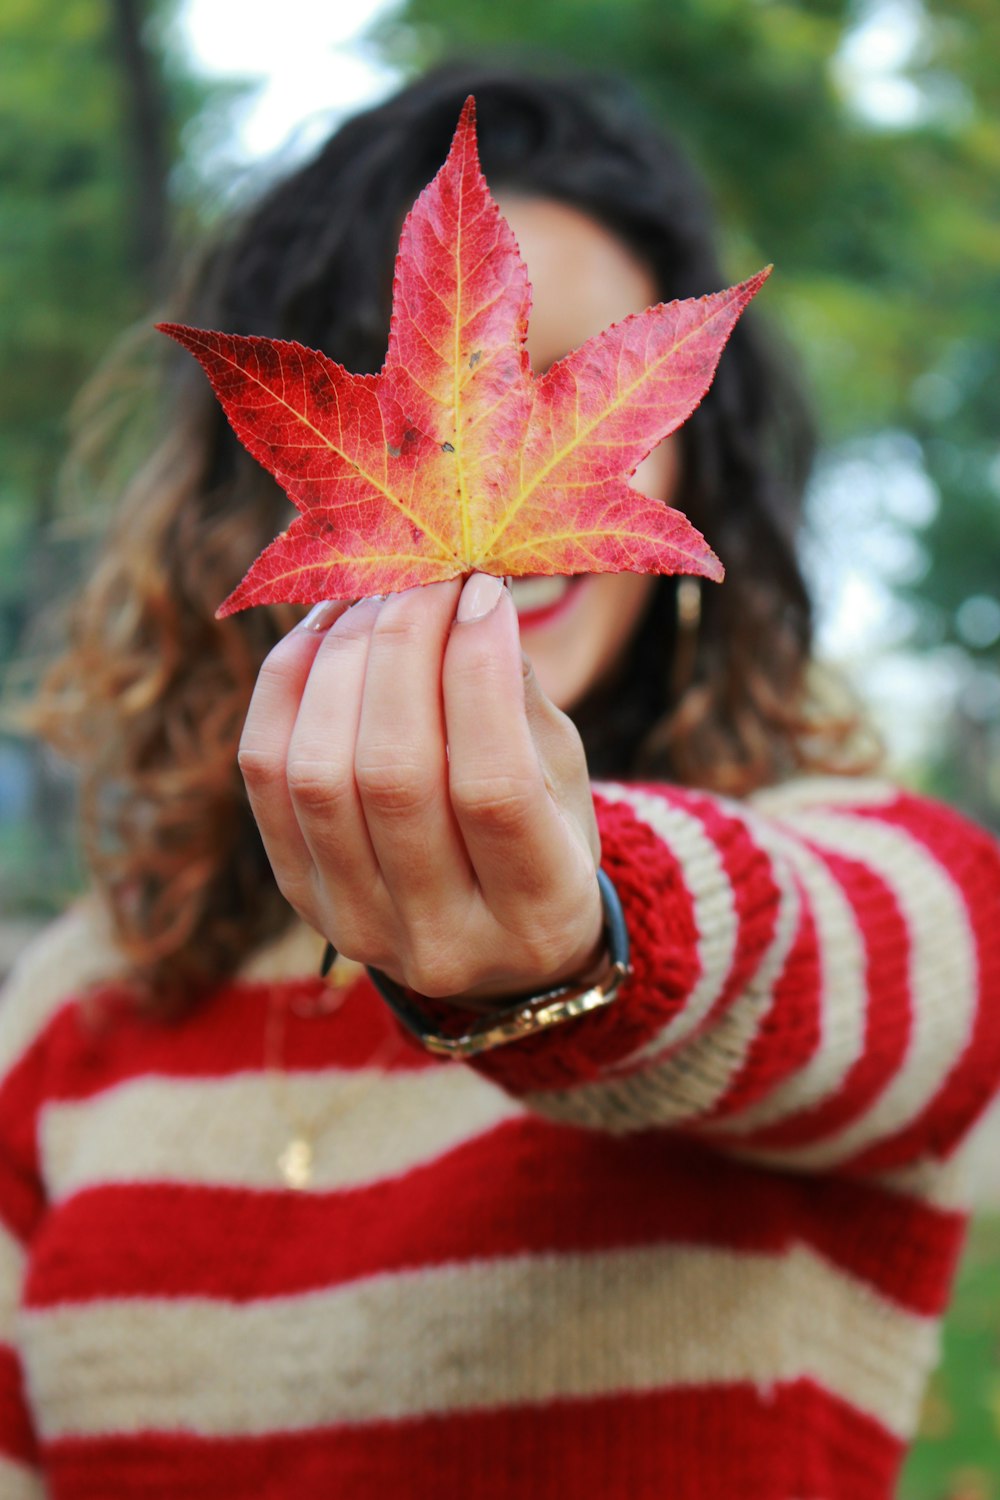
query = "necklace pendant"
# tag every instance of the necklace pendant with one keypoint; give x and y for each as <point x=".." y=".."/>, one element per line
<point x="296" y="1163"/>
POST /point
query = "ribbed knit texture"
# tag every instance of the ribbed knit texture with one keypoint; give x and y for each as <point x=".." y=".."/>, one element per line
<point x="696" y="1245"/>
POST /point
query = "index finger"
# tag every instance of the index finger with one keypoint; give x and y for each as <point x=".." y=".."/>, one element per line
<point x="267" y="734"/>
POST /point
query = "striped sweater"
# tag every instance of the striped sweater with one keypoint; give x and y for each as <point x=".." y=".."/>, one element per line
<point x="696" y="1245"/>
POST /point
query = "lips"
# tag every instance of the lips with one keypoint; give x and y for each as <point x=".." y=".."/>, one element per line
<point x="539" y="599"/>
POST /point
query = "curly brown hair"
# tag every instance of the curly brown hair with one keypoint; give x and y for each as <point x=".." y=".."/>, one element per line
<point x="150" y="695"/>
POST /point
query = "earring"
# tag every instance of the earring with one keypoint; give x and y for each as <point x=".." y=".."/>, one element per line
<point x="686" y="643"/>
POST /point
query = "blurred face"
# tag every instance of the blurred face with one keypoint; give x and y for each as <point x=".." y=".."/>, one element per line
<point x="583" y="278"/>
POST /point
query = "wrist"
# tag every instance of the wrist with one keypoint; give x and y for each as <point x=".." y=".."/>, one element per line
<point x="521" y="1016"/>
<point x="583" y="966"/>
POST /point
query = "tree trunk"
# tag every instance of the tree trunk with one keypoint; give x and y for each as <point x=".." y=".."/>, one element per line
<point x="145" y="129"/>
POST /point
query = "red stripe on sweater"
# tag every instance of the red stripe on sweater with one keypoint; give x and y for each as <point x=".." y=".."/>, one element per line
<point x="21" y="1198"/>
<point x="972" y="859"/>
<point x="524" y="1188"/>
<point x="17" y="1436"/>
<point x="704" y="1444"/>
<point x="888" y="1017"/>
<point x="790" y="1031"/>
<point x="226" y="1035"/>
<point x="755" y="899"/>
<point x="755" y="893"/>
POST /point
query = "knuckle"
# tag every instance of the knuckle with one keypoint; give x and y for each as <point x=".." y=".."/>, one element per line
<point x="357" y="931"/>
<point x="388" y="783"/>
<point x="353" y="627"/>
<point x="356" y="947"/>
<point x="316" y="786"/>
<point x="275" y="667"/>
<point x="401" y="626"/>
<point x="502" y="802"/>
<point x="360" y="944"/>
<point x="436" y="974"/>
<point x="259" y="767"/>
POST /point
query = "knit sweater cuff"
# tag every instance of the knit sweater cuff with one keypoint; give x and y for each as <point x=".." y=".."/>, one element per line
<point x="670" y="889"/>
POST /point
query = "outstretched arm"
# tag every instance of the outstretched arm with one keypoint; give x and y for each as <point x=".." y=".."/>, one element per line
<point x="817" y="976"/>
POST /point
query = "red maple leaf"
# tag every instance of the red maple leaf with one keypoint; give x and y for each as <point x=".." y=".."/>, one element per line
<point x="455" y="458"/>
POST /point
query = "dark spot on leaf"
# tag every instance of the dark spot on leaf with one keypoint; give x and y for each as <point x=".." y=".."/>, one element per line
<point x="447" y="447"/>
<point x="393" y="452"/>
<point x="474" y="358"/>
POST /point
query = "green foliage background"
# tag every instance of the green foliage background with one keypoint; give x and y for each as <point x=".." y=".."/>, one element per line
<point x="75" y="273"/>
<point x="72" y="276"/>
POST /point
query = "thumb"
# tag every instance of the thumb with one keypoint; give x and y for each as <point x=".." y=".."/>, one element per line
<point x="562" y="756"/>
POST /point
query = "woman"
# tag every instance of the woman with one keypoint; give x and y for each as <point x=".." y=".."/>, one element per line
<point x="695" y="1242"/>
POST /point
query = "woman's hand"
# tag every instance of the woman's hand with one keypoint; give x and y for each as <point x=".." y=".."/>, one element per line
<point x="423" y="804"/>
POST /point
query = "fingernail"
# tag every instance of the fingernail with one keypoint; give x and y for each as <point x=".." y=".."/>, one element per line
<point x="322" y="615"/>
<point x="368" y="599"/>
<point x="480" y="594"/>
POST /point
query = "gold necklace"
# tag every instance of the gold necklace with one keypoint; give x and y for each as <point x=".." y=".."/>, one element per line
<point x="296" y="1161"/>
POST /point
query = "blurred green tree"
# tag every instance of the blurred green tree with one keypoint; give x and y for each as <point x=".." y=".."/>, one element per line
<point x="95" y="102"/>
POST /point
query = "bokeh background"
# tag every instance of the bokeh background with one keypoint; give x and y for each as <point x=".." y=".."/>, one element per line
<point x="854" y="143"/>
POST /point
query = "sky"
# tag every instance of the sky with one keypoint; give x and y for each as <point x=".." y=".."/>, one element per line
<point x="313" y="66"/>
<point x="307" y="55"/>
